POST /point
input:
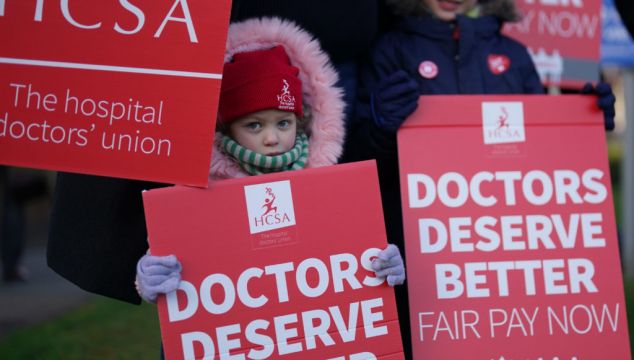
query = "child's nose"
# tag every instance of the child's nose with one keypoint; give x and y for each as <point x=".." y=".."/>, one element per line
<point x="270" y="138"/>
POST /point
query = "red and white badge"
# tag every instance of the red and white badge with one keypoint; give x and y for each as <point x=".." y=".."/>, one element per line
<point x="428" y="69"/>
<point x="498" y="64"/>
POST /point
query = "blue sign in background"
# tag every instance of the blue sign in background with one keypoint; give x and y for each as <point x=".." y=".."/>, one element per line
<point x="617" y="47"/>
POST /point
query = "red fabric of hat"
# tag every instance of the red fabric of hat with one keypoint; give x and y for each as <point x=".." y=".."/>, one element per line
<point x="259" y="80"/>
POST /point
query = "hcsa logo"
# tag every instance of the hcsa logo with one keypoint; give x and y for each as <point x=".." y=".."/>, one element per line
<point x="269" y="206"/>
<point x="285" y="99"/>
<point x="503" y="122"/>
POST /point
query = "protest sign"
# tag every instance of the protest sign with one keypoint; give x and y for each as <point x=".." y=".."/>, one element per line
<point x="510" y="237"/>
<point x="563" y="37"/>
<point x="112" y="88"/>
<point x="276" y="266"/>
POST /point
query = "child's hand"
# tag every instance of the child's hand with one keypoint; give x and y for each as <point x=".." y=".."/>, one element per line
<point x="394" y="100"/>
<point x="157" y="275"/>
<point x="605" y="101"/>
<point x="389" y="263"/>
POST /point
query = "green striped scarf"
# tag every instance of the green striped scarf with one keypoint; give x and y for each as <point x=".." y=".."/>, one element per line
<point x="255" y="163"/>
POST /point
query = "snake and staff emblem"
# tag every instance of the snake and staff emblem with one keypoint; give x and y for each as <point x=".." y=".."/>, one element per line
<point x="503" y="119"/>
<point x="268" y="202"/>
<point x="285" y="88"/>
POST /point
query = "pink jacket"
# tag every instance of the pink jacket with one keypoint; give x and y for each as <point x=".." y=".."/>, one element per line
<point x="325" y="128"/>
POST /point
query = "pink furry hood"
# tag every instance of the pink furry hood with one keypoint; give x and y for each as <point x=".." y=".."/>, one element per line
<point x="324" y="100"/>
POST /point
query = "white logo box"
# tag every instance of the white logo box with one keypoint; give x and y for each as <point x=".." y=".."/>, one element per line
<point x="503" y="122"/>
<point x="283" y="214"/>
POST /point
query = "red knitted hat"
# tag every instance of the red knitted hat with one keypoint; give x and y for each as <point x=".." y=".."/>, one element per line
<point x="259" y="80"/>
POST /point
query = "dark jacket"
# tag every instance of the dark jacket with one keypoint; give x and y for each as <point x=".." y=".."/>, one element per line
<point x="461" y="51"/>
<point x="97" y="233"/>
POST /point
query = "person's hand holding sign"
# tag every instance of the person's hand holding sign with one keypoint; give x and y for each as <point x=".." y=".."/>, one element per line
<point x="389" y="263"/>
<point x="157" y="275"/>
<point x="605" y="101"/>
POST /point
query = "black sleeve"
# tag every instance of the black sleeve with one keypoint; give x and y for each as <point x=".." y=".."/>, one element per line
<point x="365" y="139"/>
<point x="532" y="82"/>
<point x="626" y="10"/>
<point x="97" y="233"/>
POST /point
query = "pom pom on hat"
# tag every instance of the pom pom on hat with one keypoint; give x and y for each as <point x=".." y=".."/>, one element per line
<point x="259" y="80"/>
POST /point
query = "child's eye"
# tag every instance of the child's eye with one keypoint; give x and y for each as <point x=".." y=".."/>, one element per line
<point x="254" y="125"/>
<point x="284" y="124"/>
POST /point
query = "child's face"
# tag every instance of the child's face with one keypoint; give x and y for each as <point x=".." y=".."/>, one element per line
<point x="267" y="132"/>
<point x="448" y="9"/>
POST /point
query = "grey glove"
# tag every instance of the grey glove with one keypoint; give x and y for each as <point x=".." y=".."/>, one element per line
<point x="157" y="275"/>
<point x="389" y="263"/>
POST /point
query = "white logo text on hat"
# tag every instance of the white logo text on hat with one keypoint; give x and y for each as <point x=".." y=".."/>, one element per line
<point x="286" y="100"/>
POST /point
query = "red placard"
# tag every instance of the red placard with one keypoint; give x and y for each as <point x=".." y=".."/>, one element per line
<point x="275" y="266"/>
<point x="563" y="37"/>
<point x="112" y="88"/>
<point x="509" y="227"/>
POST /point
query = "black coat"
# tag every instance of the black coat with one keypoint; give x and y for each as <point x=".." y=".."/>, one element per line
<point x="97" y="233"/>
<point x="463" y="69"/>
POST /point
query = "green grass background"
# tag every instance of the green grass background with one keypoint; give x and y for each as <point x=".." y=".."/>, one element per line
<point x="101" y="329"/>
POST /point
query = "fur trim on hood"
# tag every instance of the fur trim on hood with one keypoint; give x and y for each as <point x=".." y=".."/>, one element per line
<point x="505" y="10"/>
<point x="324" y="101"/>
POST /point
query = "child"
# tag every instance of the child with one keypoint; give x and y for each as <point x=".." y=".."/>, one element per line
<point x="278" y="111"/>
<point x="438" y="47"/>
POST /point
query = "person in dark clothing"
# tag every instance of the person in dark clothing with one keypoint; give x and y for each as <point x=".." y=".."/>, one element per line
<point x="438" y="47"/>
<point x="11" y="230"/>
<point x="97" y="230"/>
<point x="426" y="55"/>
<point x="18" y="187"/>
<point x="429" y="53"/>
